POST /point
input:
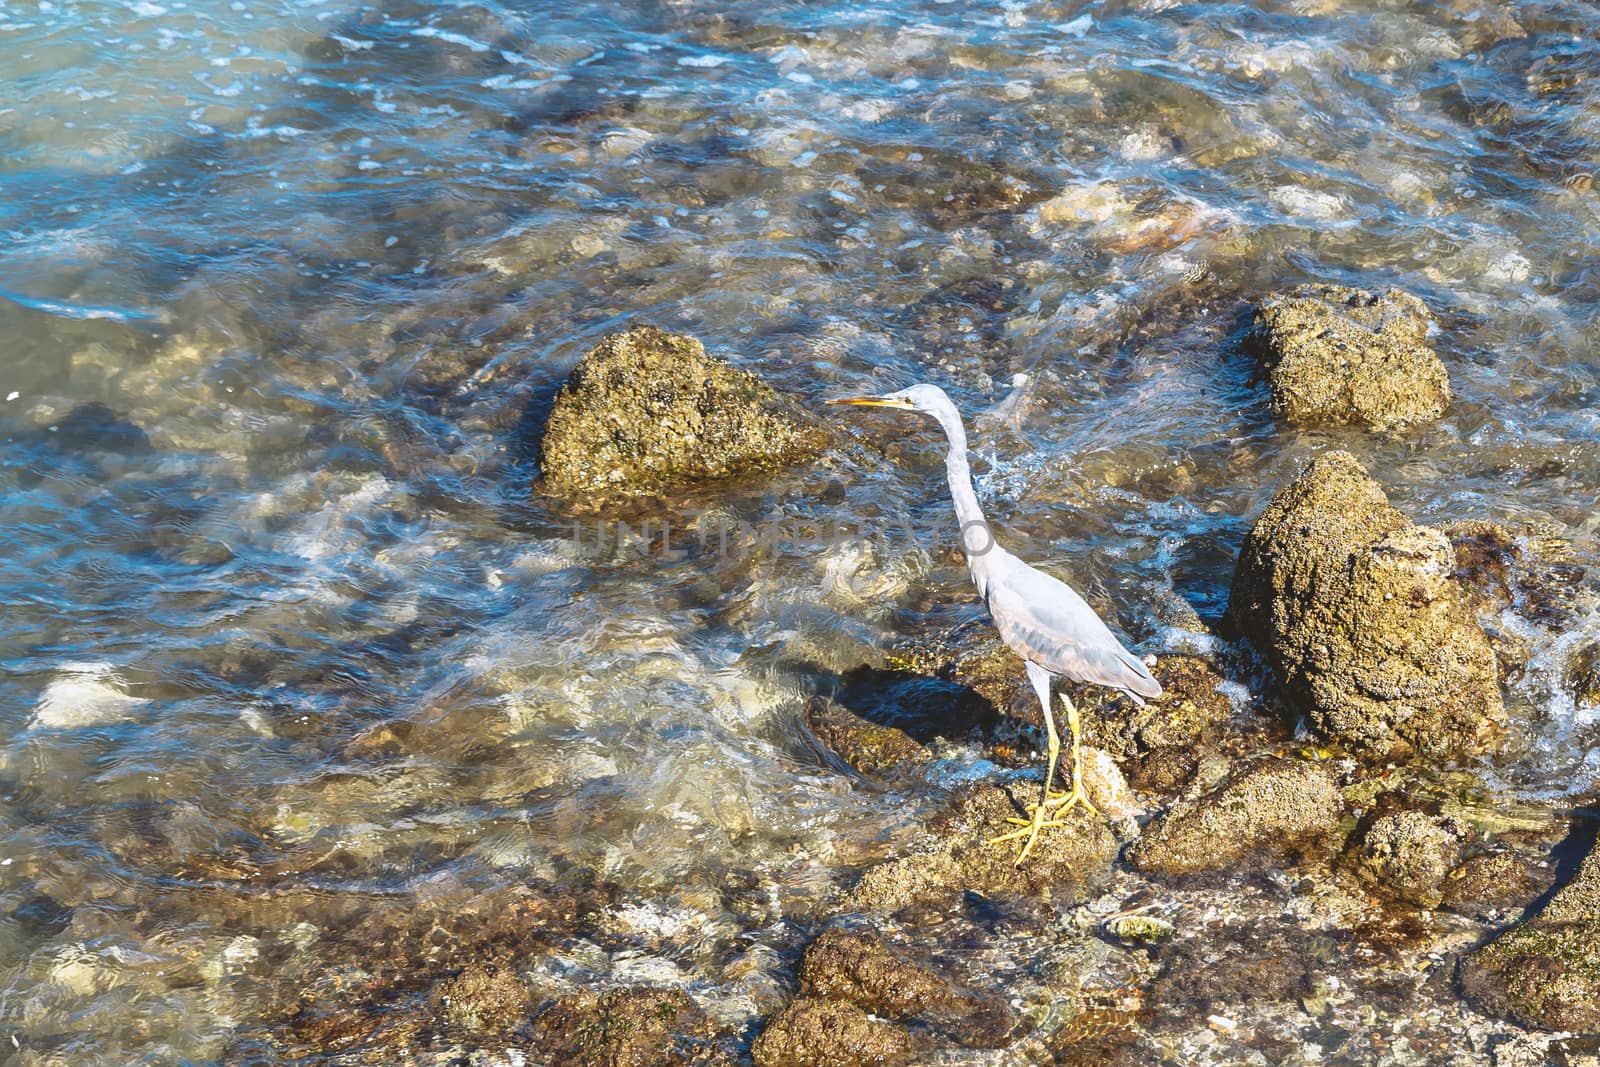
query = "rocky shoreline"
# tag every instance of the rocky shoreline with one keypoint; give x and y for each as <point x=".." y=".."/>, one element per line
<point x="1325" y="855"/>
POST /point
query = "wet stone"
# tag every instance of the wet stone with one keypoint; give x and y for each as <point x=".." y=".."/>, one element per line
<point x="1493" y="885"/>
<point x="1583" y="675"/>
<point x="1545" y="973"/>
<point x="1219" y="966"/>
<point x="958" y="857"/>
<point x="861" y="967"/>
<point x="483" y="999"/>
<point x="1278" y="809"/>
<point x="1529" y="568"/>
<point x="1359" y="614"/>
<point x="642" y="1026"/>
<point x="1410" y="853"/>
<point x="814" y="1031"/>
<point x="1190" y="709"/>
<point x="646" y="411"/>
<point x="868" y="747"/>
<point x="1340" y="355"/>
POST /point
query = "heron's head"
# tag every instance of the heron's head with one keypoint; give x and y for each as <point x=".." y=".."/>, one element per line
<point x="927" y="398"/>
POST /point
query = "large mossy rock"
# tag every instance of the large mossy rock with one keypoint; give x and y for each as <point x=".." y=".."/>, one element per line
<point x="1349" y="356"/>
<point x="1361" y="616"/>
<point x="646" y="411"/>
<point x="1545" y="973"/>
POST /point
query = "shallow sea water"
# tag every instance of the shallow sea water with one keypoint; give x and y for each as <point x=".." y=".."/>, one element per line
<point x="289" y="644"/>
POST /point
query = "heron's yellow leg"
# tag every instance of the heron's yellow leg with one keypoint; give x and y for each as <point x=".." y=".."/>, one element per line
<point x="1046" y="814"/>
<point x="1076" y="795"/>
<point x="1047" y="800"/>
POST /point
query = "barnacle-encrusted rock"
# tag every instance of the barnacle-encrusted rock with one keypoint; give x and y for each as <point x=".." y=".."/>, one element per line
<point x="643" y="1026"/>
<point x="646" y="411"/>
<point x="861" y="967"/>
<point x="1410" y="853"/>
<point x="1190" y="708"/>
<point x="814" y="1031"/>
<point x="868" y="747"/>
<point x="1545" y="973"/>
<point x="1275" y="808"/>
<point x="1341" y="355"/>
<point x="1360" y="615"/>
<point x="959" y="857"/>
<point x="1489" y="886"/>
<point x="483" y="999"/>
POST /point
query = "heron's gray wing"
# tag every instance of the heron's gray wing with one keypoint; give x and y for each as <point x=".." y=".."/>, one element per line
<point x="1044" y="620"/>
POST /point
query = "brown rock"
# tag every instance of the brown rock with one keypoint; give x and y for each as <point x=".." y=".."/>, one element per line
<point x="1410" y="853"/>
<point x="1545" y="973"/>
<point x="635" y="1027"/>
<point x="1340" y="355"/>
<point x="483" y="999"/>
<point x="645" y="411"/>
<point x="1275" y="808"/>
<point x="861" y="967"/>
<point x="1359" y="614"/>
<point x="812" y="1032"/>
<point x="1190" y="709"/>
<point x="1492" y="885"/>
<point x="866" y="746"/>
<point x="960" y="857"/>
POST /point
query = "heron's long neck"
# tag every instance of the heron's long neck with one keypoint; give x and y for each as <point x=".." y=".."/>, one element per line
<point x="975" y="532"/>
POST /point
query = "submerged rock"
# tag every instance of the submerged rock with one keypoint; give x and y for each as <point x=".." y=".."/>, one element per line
<point x="483" y="999"/>
<point x="646" y="411"/>
<point x="1410" y="853"/>
<point x="861" y="967"/>
<point x="960" y="856"/>
<point x="637" y="1027"/>
<point x="1275" y="808"/>
<point x="1545" y="973"/>
<point x="1360" y="615"/>
<point x="813" y="1031"/>
<point x="1490" y="886"/>
<point x="1340" y="355"/>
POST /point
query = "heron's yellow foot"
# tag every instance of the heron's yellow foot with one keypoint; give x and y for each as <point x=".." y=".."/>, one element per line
<point x="1067" y="801"/>
<point x="1031" y="829"/>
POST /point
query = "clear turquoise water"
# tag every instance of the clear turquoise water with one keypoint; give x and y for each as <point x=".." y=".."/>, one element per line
<point x="287" y="286"/>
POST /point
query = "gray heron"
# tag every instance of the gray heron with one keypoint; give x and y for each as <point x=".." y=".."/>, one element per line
<point x="1041" y="618"/>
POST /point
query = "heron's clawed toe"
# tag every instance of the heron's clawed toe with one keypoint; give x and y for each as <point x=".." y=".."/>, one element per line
<point x="1030" y="830"/>
<point x="1067" y="801"/>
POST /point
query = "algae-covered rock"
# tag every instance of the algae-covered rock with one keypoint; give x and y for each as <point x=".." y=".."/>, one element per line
<point x="1492" y="885"/>
<point x="1359" y="614"/>
<point x="1410" y="853"/>
<point x="1340" y="355"/>
<point x="483" y="999"/>
<point x="1190" y="707"/>
<point x="813" y="1031"/>
<point x="959" y="856"/>
<point x="637" y="1027"/>
<point x="868" y="747"/>
<point x="646" y="410"/>
<point x="1276" y="808"/>
<point x="1545" y="973"/>
<point x="861" y="967"/>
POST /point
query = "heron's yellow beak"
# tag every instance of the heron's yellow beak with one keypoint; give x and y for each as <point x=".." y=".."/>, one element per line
<point x="873" y="402"/>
